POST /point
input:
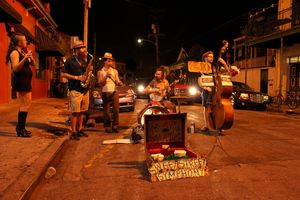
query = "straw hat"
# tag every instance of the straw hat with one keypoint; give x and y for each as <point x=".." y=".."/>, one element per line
<point x="78" y="44"/>
<point x="108" y="55"/>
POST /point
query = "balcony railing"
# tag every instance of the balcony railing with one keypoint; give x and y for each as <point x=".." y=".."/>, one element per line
<point x="266" y="23"/>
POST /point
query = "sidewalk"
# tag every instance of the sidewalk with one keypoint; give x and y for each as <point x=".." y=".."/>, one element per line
<point x="284" y="109"/>
<point x="22" y="160"/>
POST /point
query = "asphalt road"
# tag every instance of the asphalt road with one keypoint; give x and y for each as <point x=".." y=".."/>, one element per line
<point x="258" y="158"/>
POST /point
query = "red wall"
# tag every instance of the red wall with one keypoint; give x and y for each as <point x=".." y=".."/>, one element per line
<point x="4" y="74"/>
<point x="39" y="87"/>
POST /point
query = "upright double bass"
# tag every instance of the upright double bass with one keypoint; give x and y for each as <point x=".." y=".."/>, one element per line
<point x="222" y="113"/>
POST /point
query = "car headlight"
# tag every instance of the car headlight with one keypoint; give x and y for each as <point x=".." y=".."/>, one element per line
<point x="140" y="88"/>
<point x="244" y="96"/>
<point x="192" y="91"/>
<point x="266" y="98"/>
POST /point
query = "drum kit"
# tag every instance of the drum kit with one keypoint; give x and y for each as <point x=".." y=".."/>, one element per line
<point x="149" y="109"/>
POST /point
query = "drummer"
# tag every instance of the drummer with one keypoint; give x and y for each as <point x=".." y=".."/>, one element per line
<point x="157" y="90"/>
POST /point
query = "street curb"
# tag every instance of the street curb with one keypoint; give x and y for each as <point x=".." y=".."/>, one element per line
<point x="55" y="150"/>
<point x="27" y="182"/>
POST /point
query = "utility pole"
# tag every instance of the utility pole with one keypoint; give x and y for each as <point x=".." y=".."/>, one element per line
<point x="155" y="34"/>
<point x="87" y="5"/>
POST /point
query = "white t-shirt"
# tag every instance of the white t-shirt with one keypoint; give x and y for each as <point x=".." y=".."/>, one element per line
<point x="109" y="86"/>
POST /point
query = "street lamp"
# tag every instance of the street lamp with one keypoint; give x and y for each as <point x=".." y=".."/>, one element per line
<point x="155" y="43"/>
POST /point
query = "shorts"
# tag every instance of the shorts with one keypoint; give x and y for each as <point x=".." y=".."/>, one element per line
<point x="79" y="102"/>
<point x="206" y="98"/>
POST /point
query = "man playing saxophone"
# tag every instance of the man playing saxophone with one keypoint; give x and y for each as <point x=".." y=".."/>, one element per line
<point x="76" y="71"/>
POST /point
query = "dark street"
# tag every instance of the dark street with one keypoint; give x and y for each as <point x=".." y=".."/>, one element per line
<point x="258" y="158"/>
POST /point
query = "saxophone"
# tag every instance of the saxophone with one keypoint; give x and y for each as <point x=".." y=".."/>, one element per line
<point x="88" y="72"/>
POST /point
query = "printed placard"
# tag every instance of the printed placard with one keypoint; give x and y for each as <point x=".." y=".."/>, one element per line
<point x="199" y="67"/>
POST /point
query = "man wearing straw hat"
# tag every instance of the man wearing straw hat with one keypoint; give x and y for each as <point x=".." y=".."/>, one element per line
<point x="108" y="78"/>
<point x="74" y="70"/>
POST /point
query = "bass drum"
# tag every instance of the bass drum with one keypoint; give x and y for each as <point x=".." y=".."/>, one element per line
<point x="151" y="110"/>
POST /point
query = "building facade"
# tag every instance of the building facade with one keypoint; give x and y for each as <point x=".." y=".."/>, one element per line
<point x="268" y="52"/>
<point x="31" y="18"/>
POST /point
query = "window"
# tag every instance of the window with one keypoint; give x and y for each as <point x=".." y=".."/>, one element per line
<point x="260" y="52"/>
<point x="241" y="53"/>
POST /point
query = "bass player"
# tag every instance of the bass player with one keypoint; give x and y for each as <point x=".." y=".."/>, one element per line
<point x="207" y="91"/>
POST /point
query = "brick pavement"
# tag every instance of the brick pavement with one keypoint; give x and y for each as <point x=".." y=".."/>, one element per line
<point x="22" y="160"/>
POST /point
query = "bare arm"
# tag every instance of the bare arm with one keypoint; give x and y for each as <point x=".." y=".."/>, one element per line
<point x="118" y="81"/>
<point x="16" y="63"/>
<point x="69" y="76"/>
<point x="200" y="84"/>
<point x="147" y="89"/>
<point x="222" y="61"/>
<point x="150" y="90"/>
<point x="101" y="79"/>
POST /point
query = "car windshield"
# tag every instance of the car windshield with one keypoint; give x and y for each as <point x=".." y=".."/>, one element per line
<point x="242" y="86"/>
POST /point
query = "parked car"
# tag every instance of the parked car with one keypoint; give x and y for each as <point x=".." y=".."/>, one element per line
<point x="127" y="98"/>
<point x="243" y="96"/>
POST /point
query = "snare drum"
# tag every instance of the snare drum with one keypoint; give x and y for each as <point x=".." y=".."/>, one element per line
<point x="151" y="110"/>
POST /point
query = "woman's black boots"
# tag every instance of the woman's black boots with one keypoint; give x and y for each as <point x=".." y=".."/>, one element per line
<point x="21" y="131"/>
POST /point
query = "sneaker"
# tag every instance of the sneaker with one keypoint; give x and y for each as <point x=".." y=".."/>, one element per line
<point x="81" y="134"/>
<point x="74" y="136"/>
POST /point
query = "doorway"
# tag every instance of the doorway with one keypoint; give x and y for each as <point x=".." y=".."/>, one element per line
<point x="264" y="81"/>
<point x="294" y="76"/>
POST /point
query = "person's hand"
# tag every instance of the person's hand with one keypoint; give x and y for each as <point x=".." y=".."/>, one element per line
<point x="121" y="84"/>
<point x="108" y="75"/>
<point x="28" y="56"/>
<point x="207" y="89"/>
<point x="82" y="78"/>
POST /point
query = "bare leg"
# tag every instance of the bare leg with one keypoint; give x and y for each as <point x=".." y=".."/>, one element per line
<point x="80" y="121"/>
<point x="73" y="122"/>
<point x="206" y="116"/>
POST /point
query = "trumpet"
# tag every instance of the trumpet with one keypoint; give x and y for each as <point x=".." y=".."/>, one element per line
<point x="88" y="72"/>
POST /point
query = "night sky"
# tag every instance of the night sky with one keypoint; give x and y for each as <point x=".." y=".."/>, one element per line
<point x="117" y="24"/>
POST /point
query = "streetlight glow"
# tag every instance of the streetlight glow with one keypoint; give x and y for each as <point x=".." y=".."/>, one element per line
<point x="141" y="40"/>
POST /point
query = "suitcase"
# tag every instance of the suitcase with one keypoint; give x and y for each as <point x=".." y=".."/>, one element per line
<point x="167" y="157"/>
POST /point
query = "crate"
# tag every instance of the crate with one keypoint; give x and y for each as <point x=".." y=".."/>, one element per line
<point x="165" y="134"/>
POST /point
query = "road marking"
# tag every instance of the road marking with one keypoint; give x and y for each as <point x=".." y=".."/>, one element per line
<point x="106" y="149"/>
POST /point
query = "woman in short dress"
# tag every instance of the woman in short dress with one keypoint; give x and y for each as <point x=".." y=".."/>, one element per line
<point x="20" y="60"/>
